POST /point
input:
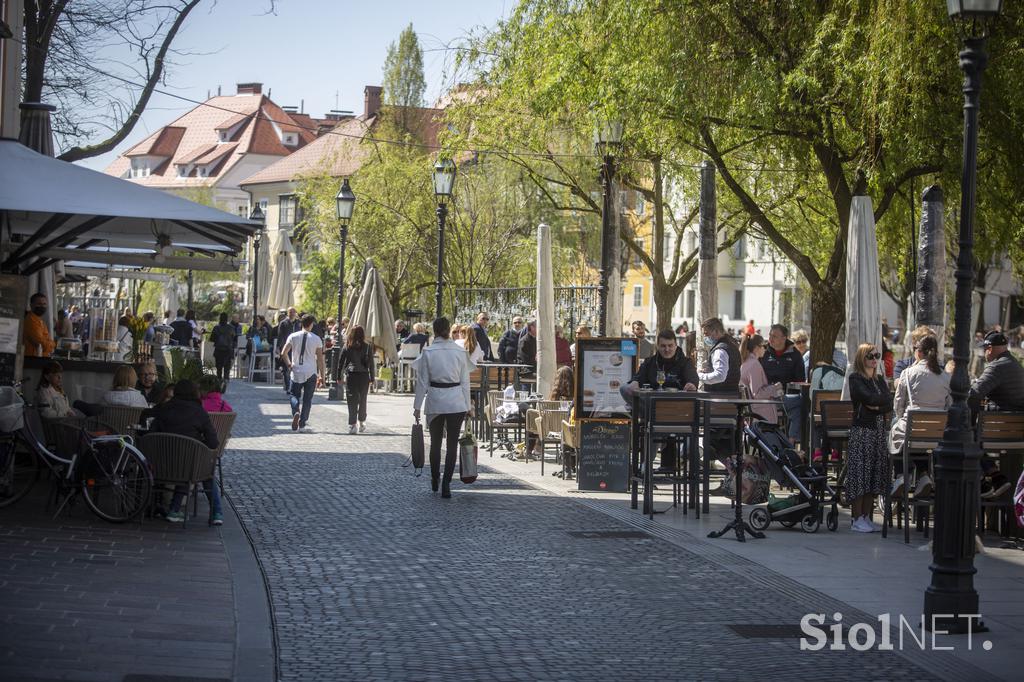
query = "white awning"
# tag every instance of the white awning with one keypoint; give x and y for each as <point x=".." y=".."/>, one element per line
<point x="55" y="204"/>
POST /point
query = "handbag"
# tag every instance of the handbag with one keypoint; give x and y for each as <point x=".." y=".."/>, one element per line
<point x="416" y="453"/>
<point x="467" y="458"/>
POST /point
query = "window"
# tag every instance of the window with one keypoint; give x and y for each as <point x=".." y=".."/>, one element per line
<point x="737" y="303"/>
<point x="691" y="302"/>
<point x="288" y="206"/>
<point x="740" y="249"/>
<point x="641" y="204"/>
<point x="636" y="257"/>
<point x="638" y="296"/>
<point x="290" y="139"/>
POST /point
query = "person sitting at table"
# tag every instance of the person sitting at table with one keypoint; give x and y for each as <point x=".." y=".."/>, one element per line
<point x="464" y="336"/>
<point x="151" y="389"/>
<point x="211" y="390"/>
<point x="582" y="332"/>
<point x="50" y="397"/>
<point x="185" y="416"/>
<point x="752" y="348"/>
<point x="563" y="389"/>
<point x="418" y="336"/>
<point x="508" y="346"/>
<point x="679" y="373"/>
<point x="123" y="392"/>
<point x="527" y="353"/>
<point x="563" y="353"/>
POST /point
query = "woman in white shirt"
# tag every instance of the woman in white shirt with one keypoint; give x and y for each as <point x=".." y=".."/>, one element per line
<point x="466" y="338"/>
<point x="442" y="382"/>
<point x="123" y="393"/>
<point x="124" y="339"/>
<point x="50" y="397"/>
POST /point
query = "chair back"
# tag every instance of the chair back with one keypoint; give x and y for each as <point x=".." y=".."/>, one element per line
<point x="551" y="423"/>
<point x="1001" y="431"/>
<point x="924" y="430"/>
<point x="91" y="394"/>
<point x="677" y="415"/>
<point x="241" y="342"/>
<point x="177" y="459"/>
<point x="720" y="414"/>
<point x="494" y="399"/>
<point x="494" y="375"/>
<point x="836" y="418"/>
<point x="474" y="378"/>
<point x="818" y="396"/>
<point x="409" y="351"/>
<point x="223" y="422"/>
<point x="122" y="419"/>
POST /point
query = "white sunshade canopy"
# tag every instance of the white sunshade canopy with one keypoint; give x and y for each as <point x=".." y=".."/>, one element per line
<point x="55" y="204"/>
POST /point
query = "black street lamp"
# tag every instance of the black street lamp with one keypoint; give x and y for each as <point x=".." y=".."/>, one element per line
<point x="257" y="216"/>
<point x="951" y="600"/>
<point x="444" y="182"/>
<point x="607" y="139"/>
<point x="346" y="203"/>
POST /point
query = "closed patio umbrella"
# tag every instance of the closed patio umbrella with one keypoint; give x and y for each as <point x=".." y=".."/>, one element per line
<point x="263" y="280"/>
<point x="863" y="285"/>
<point x="545" y="312"/>
<point x="281" y="295"/>
<point x="169" y="298"/>
<point x="374" y="314"/>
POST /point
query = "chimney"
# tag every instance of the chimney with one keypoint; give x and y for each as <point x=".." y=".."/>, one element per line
<point x="371" y="100"/>
<point x="250" y="89"/>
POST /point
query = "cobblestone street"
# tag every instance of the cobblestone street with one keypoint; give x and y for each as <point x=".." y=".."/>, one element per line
<point x="374" y="577"/>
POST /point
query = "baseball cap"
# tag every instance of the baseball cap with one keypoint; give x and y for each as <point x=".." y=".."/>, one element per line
<point x="995" y="339"/>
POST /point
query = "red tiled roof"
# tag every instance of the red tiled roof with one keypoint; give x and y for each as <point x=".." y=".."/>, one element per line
<point x="231" y="121"/>
<point x="218" y="152"/>
<point x="165" y="143"/>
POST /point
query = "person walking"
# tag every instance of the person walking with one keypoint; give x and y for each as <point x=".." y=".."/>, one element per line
<point x="867" y="467"/>
<point x="357" y="362"/>
<point x="303" y="358"/>
<point x="287" y="326"/>
<point x="442" y="390"/>
<point x="224" y="335"/>
<point x="752" y="349"/>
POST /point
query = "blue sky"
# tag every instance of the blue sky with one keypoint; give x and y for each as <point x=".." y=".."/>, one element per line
<point x="320" y="51"/>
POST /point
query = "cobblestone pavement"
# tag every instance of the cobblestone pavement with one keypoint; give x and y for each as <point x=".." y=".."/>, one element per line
<point x="374" y="577"/>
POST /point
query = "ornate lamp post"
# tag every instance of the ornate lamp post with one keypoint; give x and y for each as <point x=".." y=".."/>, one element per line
<point x="346" y="203"/>
<point x="607" y="140"/>
<point x="444" y="182"/>
<point x="951" y="598"/>
<point x="257" y="215"/>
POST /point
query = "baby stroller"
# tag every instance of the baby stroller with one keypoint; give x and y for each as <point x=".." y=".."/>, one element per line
<point x="788" y="470"/>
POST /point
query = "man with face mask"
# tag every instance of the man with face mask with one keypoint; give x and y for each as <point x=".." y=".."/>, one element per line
<point x="36" y="335"/>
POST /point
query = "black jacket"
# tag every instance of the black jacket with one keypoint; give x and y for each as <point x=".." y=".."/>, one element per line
<point x="864" y="391"/>
<point x="185" y="418"/>
<point x="508" y="346"/>
<point x="527" y="353"/>
<point x="154" y="394"/>
<point x="286" y="329"/>
<point x="784" y="368"/>
<point x="182" y="333"/>
<point x="1002" y="382"/>
<point x="224" y="336"/>
<point x="483" y="341"/>
<point x="416" y="337"/>
<point x="679" y="371"/>
<point x="357" y="361"/>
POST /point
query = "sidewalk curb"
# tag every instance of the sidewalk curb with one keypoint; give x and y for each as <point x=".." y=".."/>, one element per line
<point x="255" y="636"/>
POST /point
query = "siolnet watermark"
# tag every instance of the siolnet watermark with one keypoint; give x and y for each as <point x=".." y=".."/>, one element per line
<point x="863" y="636"/>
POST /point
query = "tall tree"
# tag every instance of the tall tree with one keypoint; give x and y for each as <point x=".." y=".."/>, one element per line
<point x="70" y="62"/>
<point x="404" y="83"/>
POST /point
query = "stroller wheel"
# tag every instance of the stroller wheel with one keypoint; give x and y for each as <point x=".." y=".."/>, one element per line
<point x="832" y="521"/>
<point x="788" y="523"/>
<point x="758" y="518"/>
<point x="810" y="523"/>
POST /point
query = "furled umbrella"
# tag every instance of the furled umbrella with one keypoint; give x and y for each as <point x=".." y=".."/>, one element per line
<point x="281" y="295"/>
<point x="863" y="284"/>
<point x="373" y="312"/>
<point x="545" y="312"/>
<point x="170" y="298"/>
<point x="263" y="280"/>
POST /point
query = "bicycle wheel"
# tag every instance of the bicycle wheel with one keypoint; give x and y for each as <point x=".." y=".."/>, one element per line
<point x="19" y="469"/>
<point x="116" y="481"/>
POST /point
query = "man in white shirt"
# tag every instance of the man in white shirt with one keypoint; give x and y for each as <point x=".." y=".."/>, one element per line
<point x="303" y="357"/>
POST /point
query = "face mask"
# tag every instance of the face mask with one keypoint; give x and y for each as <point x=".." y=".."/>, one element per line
<point x="39" y="310"/>
<point x="708" y="341"/>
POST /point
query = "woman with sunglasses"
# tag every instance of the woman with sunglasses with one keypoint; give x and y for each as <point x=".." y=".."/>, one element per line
<point x="867" y="460"/>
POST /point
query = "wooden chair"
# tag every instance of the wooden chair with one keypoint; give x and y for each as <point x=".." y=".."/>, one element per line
<point x="570" y="441"/>
<point x="923" y="433"/>
<point x="178" y="461"/>
<point x="818" y="396"/>
<point x="222" y="424"/>
<point x="717" y="417"/>
<point x="494" y="400"/>
<point x="677" y="420"/>
<point x="544" y="422"/>
<point x="1001" y="434"/>
<point x="836" y="419"/>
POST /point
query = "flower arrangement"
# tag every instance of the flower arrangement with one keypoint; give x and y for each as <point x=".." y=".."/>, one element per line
<point x="138" y="326"/>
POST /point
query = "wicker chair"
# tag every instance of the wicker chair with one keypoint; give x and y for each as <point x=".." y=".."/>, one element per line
<point x="222" y="424"/>
<point x="122" y="419"/>
<point x="494" y="400"/>
<point x="178" y="461"/>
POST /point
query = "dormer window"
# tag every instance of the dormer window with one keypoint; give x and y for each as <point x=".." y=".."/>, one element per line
<point x="290" y="139"/>
<point x="140" y="168"/>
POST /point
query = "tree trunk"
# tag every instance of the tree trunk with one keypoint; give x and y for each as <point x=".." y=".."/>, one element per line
<point x="828" y="313"/>
<point x="665" y="297"/>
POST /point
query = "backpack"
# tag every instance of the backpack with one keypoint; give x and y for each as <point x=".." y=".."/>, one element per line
<point x="225" y="339"/>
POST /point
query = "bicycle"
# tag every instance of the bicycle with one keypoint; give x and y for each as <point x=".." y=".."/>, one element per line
<point x="108" y="471"/>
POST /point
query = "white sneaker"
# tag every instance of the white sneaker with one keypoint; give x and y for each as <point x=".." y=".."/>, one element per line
<point x="352" y="429"/>
<point x="862" y="525"/>
<point x="876" y="528"/>
<point x="362" y="427"/>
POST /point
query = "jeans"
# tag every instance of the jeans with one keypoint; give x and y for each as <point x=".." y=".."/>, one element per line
<point x="286" y="374"/>
<point x="358" y="385"/>
<point x="302" y="391"/>
<point x="794" y="408"/>
<point x="212" y="494"/>
<point x="449" y="426"/>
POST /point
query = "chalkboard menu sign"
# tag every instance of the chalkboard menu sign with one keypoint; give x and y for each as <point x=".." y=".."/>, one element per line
<point x="13" y="298"/>
<point x="604" y="456"/>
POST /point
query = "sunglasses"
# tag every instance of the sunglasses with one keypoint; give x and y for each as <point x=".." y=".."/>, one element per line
<point x="873" y="356"/>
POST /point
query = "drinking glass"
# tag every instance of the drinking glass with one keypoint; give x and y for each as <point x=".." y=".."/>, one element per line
<point x="661" y="379"/>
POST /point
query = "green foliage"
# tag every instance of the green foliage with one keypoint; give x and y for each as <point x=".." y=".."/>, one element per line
<point x="183" y="366"/>
<point x="404" y="83"/>
<point x="320" y="286"/>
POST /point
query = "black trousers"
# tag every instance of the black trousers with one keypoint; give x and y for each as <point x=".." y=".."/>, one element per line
<point x="223" y="358"/>
<point x="449" y="426"/>
<point x="358" y="387"/>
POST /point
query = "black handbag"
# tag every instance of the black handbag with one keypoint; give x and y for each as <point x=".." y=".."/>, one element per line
<point x="417" y="453"/>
